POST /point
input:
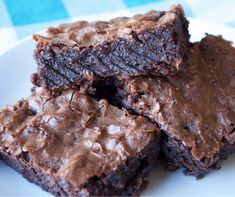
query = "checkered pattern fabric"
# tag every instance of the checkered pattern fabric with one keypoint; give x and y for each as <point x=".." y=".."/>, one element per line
<point x="21" y="18"/>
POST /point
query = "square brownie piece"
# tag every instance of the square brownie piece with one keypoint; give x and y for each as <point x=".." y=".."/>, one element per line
<point x="80" y="53"/>
<point x="195" y="108"/>
<point x="73" y="145"/>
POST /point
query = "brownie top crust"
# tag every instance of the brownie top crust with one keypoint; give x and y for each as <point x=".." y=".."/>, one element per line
<point x="197" y="105"/>
<point x="80" y="54"/>
<point x="72" y="136"/>
<point x="85" y="34"/>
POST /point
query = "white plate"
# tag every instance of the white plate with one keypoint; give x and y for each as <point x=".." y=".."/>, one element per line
<point x="16" y="66"/>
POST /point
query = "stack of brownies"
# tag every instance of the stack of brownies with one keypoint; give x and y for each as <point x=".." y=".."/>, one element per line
<point x="111" y="99"/>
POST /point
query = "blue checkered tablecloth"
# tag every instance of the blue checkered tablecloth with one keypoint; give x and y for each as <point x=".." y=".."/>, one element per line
<point x="21" y="18"/>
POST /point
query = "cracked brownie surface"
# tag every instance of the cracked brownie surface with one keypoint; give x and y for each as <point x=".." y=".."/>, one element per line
<point x="73" y="145"/>
<point x="79" y="54"/>
<point x="195" y="107"/>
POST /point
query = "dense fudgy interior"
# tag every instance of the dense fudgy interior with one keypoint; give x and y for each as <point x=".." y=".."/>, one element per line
<point x="120" y="59"/>
<point x="159" y="50"/>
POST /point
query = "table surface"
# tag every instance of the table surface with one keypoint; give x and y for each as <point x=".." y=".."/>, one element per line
<point x="22" y="18"/>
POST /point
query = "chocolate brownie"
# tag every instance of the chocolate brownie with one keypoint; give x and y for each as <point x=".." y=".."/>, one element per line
<point x="73" y="145"/>
<point x="195" y="108"/>
<point x="80" y="53"/>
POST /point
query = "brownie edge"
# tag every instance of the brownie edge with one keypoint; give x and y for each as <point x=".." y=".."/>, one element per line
<point x="73" y="145"/>
<point x="195" y="108"/>
<point x="134" y="173"/>
<point x="81" y="53"/>
<point x="178" y="155"/>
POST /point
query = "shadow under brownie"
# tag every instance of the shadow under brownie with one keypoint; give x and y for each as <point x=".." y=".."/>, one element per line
<point x="195" y="108"/>
<point x="72" y="145"/>
<point x="80" y="53"/>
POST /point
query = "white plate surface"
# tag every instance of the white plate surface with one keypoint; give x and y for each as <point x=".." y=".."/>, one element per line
<point x="16" y="66"/>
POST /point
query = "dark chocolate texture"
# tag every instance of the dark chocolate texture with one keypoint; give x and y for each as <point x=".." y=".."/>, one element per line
<point x="73" y="145"/>
<point x="195" y="107"/>
<point x="79" y="54"/>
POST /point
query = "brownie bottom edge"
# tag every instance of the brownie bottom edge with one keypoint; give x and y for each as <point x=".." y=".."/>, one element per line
<point x="127" y="180"/>
<point x="178" y="155"/>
